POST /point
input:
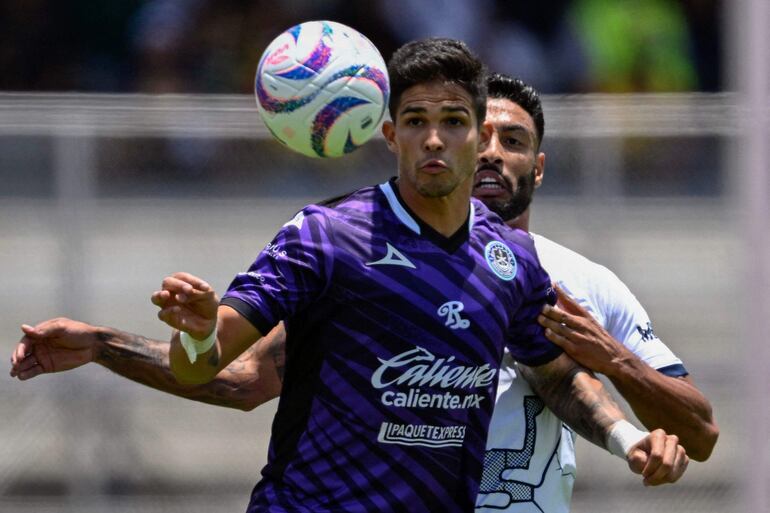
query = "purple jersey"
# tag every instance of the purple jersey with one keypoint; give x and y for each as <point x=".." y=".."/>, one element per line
<point x="394" y="338"/>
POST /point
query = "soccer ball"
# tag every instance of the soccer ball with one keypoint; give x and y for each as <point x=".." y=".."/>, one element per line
<point x="322" y="88"/>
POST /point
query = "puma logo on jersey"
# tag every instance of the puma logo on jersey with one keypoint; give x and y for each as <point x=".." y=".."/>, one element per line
<point x="647" y="334"/>
<point x="451" y="310"/>
<point x="296" y="221"/>
<point x="393" y="257"/>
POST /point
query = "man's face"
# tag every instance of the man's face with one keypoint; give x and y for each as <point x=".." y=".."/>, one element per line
<point x="436" y="138"/>
<point x="509" y="168"/>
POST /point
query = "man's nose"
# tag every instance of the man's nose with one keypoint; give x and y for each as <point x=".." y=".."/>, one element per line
<point x="433" y="141"/>
<point x="490" y="153"/>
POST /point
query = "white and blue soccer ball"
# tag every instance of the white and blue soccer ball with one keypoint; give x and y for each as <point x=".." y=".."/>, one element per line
<point x="322" y="88"/>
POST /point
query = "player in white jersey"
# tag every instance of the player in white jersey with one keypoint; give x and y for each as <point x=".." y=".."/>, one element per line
<point x="530" y="460"/>
<point x="256" y="376"/>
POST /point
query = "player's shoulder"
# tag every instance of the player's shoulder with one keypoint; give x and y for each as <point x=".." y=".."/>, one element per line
<point x="352" y="200"/>
<point x="554" y="255"/>
<point x="580" y="275"/>
<point x="352" y="203"/>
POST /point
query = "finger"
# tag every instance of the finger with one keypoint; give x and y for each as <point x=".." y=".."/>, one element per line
<point x="31" y="335"/>
<point x="31" y="373"/>
<point x="557" y="314"/>
<point x="178" y="318"/>
<point x="176" y="286"/>
<point x="569" y="303"/>
<point x="46" y="329"/>
<point x="657" y="445"/>
<point x="14" y="356"/>
<point x="198" y="295"/>
<point x="181" y="291"/>
<point x="682" y="462"/>
<point x="679" y="465"/>
<point x="23" y="349"/>
<point x="29" y="330"/>
<point x="637" y="459"/>
<point x="559" y="340"/>
<point x="197" y="283"/>
<point x="554" y="326"/>
<point x="26" y="364"/>
<point x="664" y="472"/>
<point x="160" y="297"/>
<point x="170" y="316"/>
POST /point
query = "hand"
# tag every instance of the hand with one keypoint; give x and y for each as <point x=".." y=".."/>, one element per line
<point x="659" y="458"/>
<point x="55" y="345"/>
<point x="188" y="304"/>
<point x="574" y="329"/>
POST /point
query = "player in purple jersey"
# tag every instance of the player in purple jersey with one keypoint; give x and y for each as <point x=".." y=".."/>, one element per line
<point x="388" y="388"/>
<point x="408" y="290"/>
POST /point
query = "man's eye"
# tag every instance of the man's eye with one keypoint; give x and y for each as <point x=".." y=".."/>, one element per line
<point x="454" y="121"/>
<point x="413" y="122"/>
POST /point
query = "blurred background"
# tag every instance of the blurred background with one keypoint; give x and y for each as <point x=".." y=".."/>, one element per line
<point x="207" y="46"/>
<point x="118" y="120"/>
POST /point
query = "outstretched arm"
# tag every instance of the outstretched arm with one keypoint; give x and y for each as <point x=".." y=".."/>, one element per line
<point x="62" y="344"/>
<point x="579" y="399"/>
<point x="250" y="380"/>
<point x="659" y="401"/>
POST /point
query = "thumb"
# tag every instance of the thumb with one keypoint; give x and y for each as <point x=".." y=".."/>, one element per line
<point x="637" y="460"/>
<point x="49" y="328"/>
<point x="31" y="331"/>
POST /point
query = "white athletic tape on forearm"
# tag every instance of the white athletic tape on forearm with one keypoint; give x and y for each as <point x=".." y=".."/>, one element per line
<point x="193" y="347"/>
<point x="622" y="436"/>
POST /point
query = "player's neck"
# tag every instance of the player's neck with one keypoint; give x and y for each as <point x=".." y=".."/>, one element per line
<point x="521" y="222"/>
<point x="444" y="214"/>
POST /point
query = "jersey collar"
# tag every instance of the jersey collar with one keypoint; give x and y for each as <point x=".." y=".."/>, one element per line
<point x="420" y="227"/>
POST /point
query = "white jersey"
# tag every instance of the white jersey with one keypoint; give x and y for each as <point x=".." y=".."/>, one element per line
<point x="529" y="466"/>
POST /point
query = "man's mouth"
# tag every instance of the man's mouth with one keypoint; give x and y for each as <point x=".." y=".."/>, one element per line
<point x="433" y="166"/>
<point x="489" y="181"/>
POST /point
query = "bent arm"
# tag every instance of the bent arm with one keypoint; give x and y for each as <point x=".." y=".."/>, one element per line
<point x="250" y="380"/>
<point x="234" y="335"/>
<point x="673" y="404"/>
<point x="575" y="395"/>
<point x="659" y="401"/>
<point x="580" y="400"/>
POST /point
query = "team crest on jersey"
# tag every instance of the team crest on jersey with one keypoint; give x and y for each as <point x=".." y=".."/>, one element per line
<point x="501" y="260"/>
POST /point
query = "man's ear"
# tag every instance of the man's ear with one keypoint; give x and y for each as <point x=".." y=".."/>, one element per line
<point x="539" y="169"/>
<point x="389" y="132"/>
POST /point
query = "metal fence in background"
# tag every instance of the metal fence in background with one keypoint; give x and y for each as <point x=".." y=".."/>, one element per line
<point x="101" y="196"/>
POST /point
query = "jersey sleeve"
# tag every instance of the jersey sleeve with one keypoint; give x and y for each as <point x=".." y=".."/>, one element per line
<point x="526" y="338"/>
<point x="291" y="271"/>
<point x="628" y="322"/>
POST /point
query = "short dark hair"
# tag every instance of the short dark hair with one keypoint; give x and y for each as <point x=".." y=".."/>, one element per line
<point x="442" y="59"/>
<point x="522" y="94"/>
